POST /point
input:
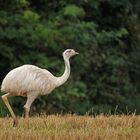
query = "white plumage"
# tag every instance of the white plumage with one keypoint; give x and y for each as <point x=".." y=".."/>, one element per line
<point x="32" y="81"/>
<point x="27" y="78"/>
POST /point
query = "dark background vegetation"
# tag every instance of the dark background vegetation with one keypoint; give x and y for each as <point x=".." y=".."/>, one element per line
<point x="105" y="76"/>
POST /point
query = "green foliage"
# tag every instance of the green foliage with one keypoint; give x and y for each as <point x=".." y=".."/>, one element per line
<point x="105" y="33"/>
<point x="74" y="11"/>
<point x="30" y="16"/>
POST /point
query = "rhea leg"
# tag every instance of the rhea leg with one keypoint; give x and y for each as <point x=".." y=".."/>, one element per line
<point x="5" y="99"/>
<point x="30" y="100"/>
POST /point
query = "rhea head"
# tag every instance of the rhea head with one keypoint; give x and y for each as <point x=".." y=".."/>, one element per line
<point x="69" y="53"/>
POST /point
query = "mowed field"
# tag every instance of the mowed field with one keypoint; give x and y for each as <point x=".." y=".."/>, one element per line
<point x="72" y="127"/>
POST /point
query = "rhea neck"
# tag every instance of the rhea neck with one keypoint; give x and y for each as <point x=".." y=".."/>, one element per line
<point x="62" y="79"/>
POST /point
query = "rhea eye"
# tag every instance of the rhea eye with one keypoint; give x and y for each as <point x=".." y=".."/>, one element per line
<point x="68" y="51"/>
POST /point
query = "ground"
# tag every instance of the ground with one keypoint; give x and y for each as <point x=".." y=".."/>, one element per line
<point x="72" y="127"/>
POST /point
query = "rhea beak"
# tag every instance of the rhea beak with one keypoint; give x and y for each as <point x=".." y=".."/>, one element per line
<point x="76" y="53"/>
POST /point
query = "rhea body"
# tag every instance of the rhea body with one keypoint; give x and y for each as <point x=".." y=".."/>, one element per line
<point x="32" y="81"/>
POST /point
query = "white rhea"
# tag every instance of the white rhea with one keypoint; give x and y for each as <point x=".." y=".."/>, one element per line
<point x="31" y="81"/>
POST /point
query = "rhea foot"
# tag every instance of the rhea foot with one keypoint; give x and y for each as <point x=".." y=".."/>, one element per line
<point x="15" y="122"/>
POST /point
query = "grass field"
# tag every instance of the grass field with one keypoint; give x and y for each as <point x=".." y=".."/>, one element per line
<point x="72" y="127"/>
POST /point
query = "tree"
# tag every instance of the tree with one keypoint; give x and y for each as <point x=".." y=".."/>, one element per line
<point x="106" y="34"/>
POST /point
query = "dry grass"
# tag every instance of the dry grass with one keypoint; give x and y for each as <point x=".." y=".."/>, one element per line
<point x="72" y="127"/>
